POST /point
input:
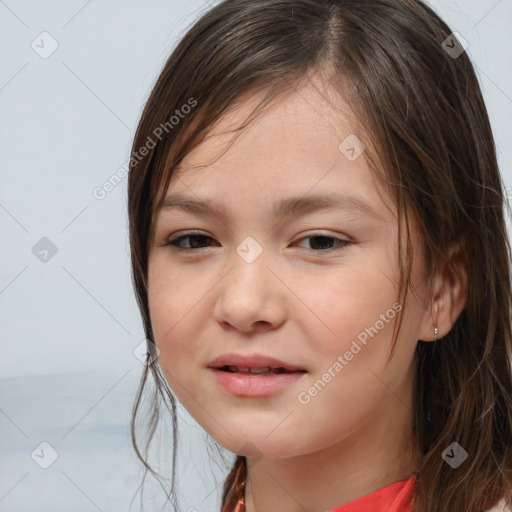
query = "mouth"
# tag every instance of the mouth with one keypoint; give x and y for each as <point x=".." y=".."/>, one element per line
<point x="254" y="364"/>
<point x="257" y="371"/>
<point x="248" y="381"/>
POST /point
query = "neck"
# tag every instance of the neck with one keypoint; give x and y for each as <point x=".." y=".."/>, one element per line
<point x="379" y="454"/>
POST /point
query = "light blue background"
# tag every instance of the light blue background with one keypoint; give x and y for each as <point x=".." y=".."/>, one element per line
<point x="69" y="326"/>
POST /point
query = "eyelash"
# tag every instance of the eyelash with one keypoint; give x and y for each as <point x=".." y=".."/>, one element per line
<point x="172" y="242"/>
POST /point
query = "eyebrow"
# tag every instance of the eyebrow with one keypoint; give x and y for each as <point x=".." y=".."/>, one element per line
<point x="292" y="206"/>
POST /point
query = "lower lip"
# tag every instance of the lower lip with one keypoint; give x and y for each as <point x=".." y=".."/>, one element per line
<point x="241" y="384"/>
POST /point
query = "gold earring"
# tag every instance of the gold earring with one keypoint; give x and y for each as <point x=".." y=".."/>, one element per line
<point x="435" y="333"/>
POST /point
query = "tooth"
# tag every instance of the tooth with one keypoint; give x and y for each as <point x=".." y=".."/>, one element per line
<point x="246" y="369"/>
<point x="259" y="370"/>
<point x="239" y="368"/>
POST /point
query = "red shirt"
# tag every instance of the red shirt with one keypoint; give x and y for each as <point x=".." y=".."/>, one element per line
<point x="395" y="497"/>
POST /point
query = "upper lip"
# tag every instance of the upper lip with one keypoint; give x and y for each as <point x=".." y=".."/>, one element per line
<point x="251" y="361"/>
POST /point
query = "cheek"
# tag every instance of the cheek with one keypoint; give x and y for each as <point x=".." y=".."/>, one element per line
<point x="353" y="383"/>
<point x="355" y="303"/>
<point x="172" y="294"/>
<point x="171" y="305"/>
<point x="180" y="353"/>
<point x="171" y="326"/>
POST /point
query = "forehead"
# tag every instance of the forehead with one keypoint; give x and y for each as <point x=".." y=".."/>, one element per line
<point x="311" y="112"/>
<point x="296" y="146"/>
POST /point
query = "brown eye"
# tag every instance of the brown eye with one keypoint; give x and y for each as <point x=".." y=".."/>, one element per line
<point x="195" y="241"/>
<point x="325" y="243"/>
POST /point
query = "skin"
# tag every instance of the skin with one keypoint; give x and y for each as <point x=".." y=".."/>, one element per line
<point x="299" y="302"/>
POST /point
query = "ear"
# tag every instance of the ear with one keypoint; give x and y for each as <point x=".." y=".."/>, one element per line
<point x="449" y="296"/>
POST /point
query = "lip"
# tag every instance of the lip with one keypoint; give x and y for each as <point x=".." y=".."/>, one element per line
<point x="251" y="361"/>
<point x="254" y="385"/>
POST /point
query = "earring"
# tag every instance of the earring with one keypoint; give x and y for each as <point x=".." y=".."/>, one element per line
<point x="435" y="333"/>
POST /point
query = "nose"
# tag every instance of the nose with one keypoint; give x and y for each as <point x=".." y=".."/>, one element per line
<point x="250" y="297"/>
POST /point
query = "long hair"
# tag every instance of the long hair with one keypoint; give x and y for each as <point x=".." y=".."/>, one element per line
<point x="415" y="92"/>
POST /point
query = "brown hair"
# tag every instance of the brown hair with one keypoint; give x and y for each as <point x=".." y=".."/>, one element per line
<point x="424" y="113"/>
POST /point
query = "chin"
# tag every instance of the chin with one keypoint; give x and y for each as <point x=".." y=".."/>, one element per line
<point x="258" y="446"/>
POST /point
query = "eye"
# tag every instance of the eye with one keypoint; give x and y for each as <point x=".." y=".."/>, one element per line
<point x="197" y="241"/>
<point x="323" y="243"/>
<point x="320" y="242"/>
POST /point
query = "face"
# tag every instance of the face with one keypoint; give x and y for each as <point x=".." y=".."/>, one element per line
<point x="273" y="273"/>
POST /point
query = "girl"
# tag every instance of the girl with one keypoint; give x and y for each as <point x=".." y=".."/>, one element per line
<point x="320" y="258"/>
